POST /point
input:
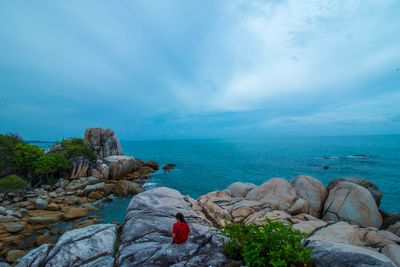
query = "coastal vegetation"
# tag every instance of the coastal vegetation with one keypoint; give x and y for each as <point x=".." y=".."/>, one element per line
<point x="12" y="183"/>
<point x="273" y="244"/>
<point x="36" y="166"/>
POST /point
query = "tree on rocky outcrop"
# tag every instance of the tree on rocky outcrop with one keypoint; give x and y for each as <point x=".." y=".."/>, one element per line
<point x="7" y="144"/>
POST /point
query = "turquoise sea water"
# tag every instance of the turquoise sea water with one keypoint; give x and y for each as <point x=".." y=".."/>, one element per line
<point x="207" y="165"/>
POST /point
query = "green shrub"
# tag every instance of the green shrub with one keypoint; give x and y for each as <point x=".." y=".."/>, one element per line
<point x="51" y="164"/>
<point x="24" y="158"/>
<point x="8" y="143"/>
<point x="12" y="183"/>
<point x="274" y="244"/>
<point x="75" y="148"/>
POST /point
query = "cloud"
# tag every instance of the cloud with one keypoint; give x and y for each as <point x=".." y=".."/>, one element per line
<point x="198" y="69"/>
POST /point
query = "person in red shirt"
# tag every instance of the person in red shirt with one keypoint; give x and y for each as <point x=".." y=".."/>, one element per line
<point x="180" y="230"/>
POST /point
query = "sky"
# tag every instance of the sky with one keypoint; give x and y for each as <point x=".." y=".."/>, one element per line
<point x="199" y="69"/>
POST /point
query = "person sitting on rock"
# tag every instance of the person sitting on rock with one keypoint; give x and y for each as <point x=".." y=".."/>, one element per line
<point x="180" y="230"/>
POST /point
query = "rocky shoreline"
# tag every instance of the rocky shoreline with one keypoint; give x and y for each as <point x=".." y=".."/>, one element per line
<point x="343" y="220"/>
<point x="145" y="237"/>
<point x="31" y="218"/>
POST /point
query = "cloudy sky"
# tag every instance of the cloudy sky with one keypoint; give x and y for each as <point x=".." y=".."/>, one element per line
<point x="199" y="69"/>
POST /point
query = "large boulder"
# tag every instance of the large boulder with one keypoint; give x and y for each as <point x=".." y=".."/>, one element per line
<point x="277" y="192"/>
<point x="79" y="168"/>
<point x="103" y="142"/>
<point x="391" y="220"/>
<point x="120" y="166"/>
<point x="352" y="203"/>
<point x="393" y="252"/>
<point x="125" y="188"/>
<point x="311" y="190"/>
<point x="239" y="189"/>
<point x="90" y="246"/>
<point x="338" y="255"/>
<point x="395" y="228"/>
<point x="15" y="254"/>
<point x="41" y="204"/>
<point x="100" y="170"/>
<point x="74" y="213"/>
<point x="93" y="187"/>
<point x="146" y="233"/>
<point x="371" y="187"/>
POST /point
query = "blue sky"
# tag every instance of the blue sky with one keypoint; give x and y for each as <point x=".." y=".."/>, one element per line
<point x="199" y="69"/>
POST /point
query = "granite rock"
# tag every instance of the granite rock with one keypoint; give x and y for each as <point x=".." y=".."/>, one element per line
<point x="146" y="233"/>
<point x="337" y="255"/>
<point x="352" y="203"/>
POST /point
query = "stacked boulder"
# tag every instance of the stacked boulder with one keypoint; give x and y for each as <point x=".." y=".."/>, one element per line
<point x="143" y="240"/>
<point x="342" y="219"/>
<point x="145" y="237"/>
<point x="29" y="218"/>
<point x="111" y="163"/>
<point x="103" y="142"/>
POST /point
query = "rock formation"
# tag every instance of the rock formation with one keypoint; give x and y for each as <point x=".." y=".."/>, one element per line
<point x="103" y="142"/>
<point x="120" y="166"/>
<point x="371" y="187"/>
<point x="146" y="233"/>
<point x="145" y="237"/>
<point x="338" y="255"/>
<point x="90" y="246"/>
<point x="352" y="203"/>
<point x="311" y="190"/>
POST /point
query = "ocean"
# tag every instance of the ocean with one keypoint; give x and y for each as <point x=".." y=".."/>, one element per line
<point x="207" y="165"/>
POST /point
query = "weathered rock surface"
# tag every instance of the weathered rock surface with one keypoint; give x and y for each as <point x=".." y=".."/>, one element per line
<point x="2" y="210"/>
<point x="74" y="213"/>
<point x="94" y="187"/>
<point x="42" y="220"/>
<point x="391" y="220"/>
<point x="169" y="167"/>
<point x="395" y="228"/>
<point x="152" y="164"/>
<point x="277" y="192"/>
<point x="345" y="233"/>
<point x="120" y="166"/>
<point x="103" y="142"/>
<point x="393" y="252"/>
<point x="100" y="170"/>
<point x="352" y="203"/>
<point x="90" y="246"/>
<point x="15" y="254"/>
<point x="126" y="188"/>
<point x="146" y="234"/>
<point x="14" y="227"/>
<point x="80" y="168"/>
<point x="338" y="255"/>
<point x="371" y="187"/>
<point x="41" y="204"/>
<point x="311" y="190"/>
<point x="239" y="189"/>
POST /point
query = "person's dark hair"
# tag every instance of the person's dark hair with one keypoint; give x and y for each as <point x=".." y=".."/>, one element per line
<point x="180" y="217"/>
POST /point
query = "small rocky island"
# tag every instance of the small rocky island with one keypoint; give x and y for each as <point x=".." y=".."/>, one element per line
<point x="343" y="220"/>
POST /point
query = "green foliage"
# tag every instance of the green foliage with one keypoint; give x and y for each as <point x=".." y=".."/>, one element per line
<point x="30" y="161"/>
<point x="75" y="148"/>
<point x="51" y="180"/>
<point x="50" y="164"/>
<point x="274" y="244"/>
<point x="25" y="156"/>
<point x="7" y="146"/>
<point x="12" y="183"/>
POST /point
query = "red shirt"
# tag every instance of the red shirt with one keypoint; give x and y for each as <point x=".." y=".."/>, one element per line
<point x="181" y="231"/>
